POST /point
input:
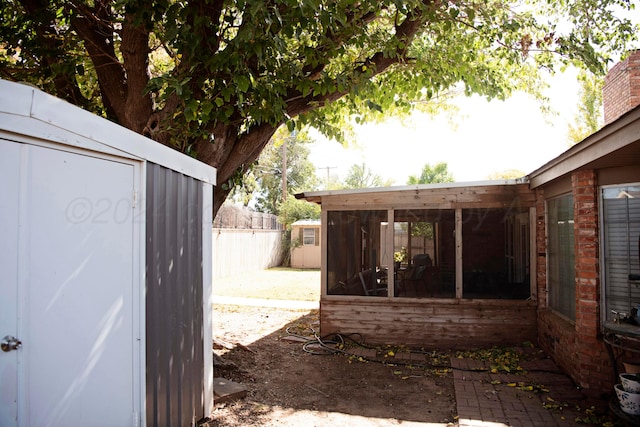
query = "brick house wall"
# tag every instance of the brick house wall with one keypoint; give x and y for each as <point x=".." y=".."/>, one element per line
<point x="621" y="92"/>
<point x="594" y="369"/>
<point x="577" y="346"/>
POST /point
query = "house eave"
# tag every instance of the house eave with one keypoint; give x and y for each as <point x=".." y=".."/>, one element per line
<point x="615" y="144"/>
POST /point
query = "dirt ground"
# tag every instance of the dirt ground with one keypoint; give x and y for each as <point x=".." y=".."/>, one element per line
<point x="288" y="386"/>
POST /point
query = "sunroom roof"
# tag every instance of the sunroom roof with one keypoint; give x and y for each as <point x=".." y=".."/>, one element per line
<point x="315" y="196"/>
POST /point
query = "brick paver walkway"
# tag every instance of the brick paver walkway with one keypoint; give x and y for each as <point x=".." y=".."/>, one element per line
<point x="485" y="399"/>
<point x="541" y="395"/>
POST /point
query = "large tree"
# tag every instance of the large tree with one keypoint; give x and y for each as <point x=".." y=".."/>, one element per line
<point x="438" y="173"/>
<point x="589" y="117"/>
<point x="216" y="78"/>
<point x="361" y="176"/>
<point x="286" y="157"/>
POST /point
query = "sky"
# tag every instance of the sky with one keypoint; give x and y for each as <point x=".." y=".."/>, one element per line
<point x="488" y="137"/>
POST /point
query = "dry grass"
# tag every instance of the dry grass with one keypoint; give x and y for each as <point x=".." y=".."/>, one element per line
<point x="274" y="283"/>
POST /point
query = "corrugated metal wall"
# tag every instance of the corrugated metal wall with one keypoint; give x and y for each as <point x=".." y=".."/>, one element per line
<point x="175" y="369"/>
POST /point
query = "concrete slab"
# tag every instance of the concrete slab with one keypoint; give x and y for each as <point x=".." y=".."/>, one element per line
<point x="226" y="390"/>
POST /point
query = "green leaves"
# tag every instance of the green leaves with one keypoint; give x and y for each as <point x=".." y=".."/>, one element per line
<point x="243" y="83"/>
<point x="361" y="176"/>
<point x="300" y="172"/>
<point x="501" y="359"/>
<point x="293" y="210"/>
<point x="432" y="174"/>
<point x="373" y="106"/>
<point x="237" y="67"/>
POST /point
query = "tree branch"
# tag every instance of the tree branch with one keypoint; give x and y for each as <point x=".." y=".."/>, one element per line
<point x="53" y="52"/>
<point x="336" y="39"/>
<point x="379" y="62"/>
<point x="245" y="151"/>
<point x="95" y="27"/>
<point x="135" y="54"/>
<point x="208" y="34"/>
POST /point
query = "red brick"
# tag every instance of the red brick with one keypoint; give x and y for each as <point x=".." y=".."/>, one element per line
<point x="622" y="86"/>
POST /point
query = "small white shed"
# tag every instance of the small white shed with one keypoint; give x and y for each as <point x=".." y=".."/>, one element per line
<point x="305" y="248"/>
<point x="105" y="272"/>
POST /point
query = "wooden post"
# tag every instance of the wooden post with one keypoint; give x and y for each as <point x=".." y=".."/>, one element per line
<point x="389" y="249"/>
<point x="323" y="253"/>
<point x="533" y="255"/>
<point x="284" y="170"/>
<point x="458" y="233"/>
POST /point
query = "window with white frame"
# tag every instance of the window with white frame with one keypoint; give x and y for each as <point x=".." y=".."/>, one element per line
<point x="308" y="236"/>
<point x="561" y="256"/>
<point x="620" y="222"/>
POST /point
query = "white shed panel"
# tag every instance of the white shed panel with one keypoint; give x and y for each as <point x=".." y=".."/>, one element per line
<point x="28" y="111"/>
<point x="73" y="259"/>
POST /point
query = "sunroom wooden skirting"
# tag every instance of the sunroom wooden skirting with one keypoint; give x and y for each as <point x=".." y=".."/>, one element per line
<point x="431" y="323"/>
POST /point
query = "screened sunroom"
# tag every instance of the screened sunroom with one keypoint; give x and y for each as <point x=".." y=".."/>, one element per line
<point x="415" y="249"/>
<point x="450" y="250"/>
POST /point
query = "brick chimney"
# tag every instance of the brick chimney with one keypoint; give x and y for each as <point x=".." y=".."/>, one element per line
<point x="621" y="92"/>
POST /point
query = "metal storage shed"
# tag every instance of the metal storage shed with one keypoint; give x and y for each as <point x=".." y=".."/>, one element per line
<point x="105" y="271"/>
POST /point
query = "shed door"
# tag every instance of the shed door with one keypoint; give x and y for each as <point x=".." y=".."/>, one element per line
<point x="67" y="274"/>
<point x="9" y="201"/>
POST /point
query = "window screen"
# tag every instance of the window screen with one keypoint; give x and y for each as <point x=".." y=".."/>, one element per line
<point x="355" y="251"/>
<point x="561" y="256"/>
<point x="621" y="238"/>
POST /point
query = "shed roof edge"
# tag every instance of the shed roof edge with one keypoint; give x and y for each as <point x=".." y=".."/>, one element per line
<point x="53" y="115"/>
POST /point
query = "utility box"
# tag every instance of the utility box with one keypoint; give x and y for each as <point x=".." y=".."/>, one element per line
<point x="105" y="271"/>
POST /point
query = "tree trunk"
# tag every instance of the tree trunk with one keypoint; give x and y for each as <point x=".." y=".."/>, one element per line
<point x="219" y="197"/>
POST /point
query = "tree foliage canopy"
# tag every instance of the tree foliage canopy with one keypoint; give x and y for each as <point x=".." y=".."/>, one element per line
<point x="300" y="173"/>
<point x="361" y="176"/>
<point x="293" y="210"/>
<point x="589" y="117"/>
<point x="216" y="78"/>
<point x="506" y="174"/>
<point x="437" y="173"/>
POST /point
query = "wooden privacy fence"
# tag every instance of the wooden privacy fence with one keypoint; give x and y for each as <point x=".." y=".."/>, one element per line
<point x="239" y="251"/>
<point x="244" y="241"/>
<point x="230" y="216"/>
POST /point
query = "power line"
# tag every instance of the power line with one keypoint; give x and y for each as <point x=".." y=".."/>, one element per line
<point x="328" y="168"/>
